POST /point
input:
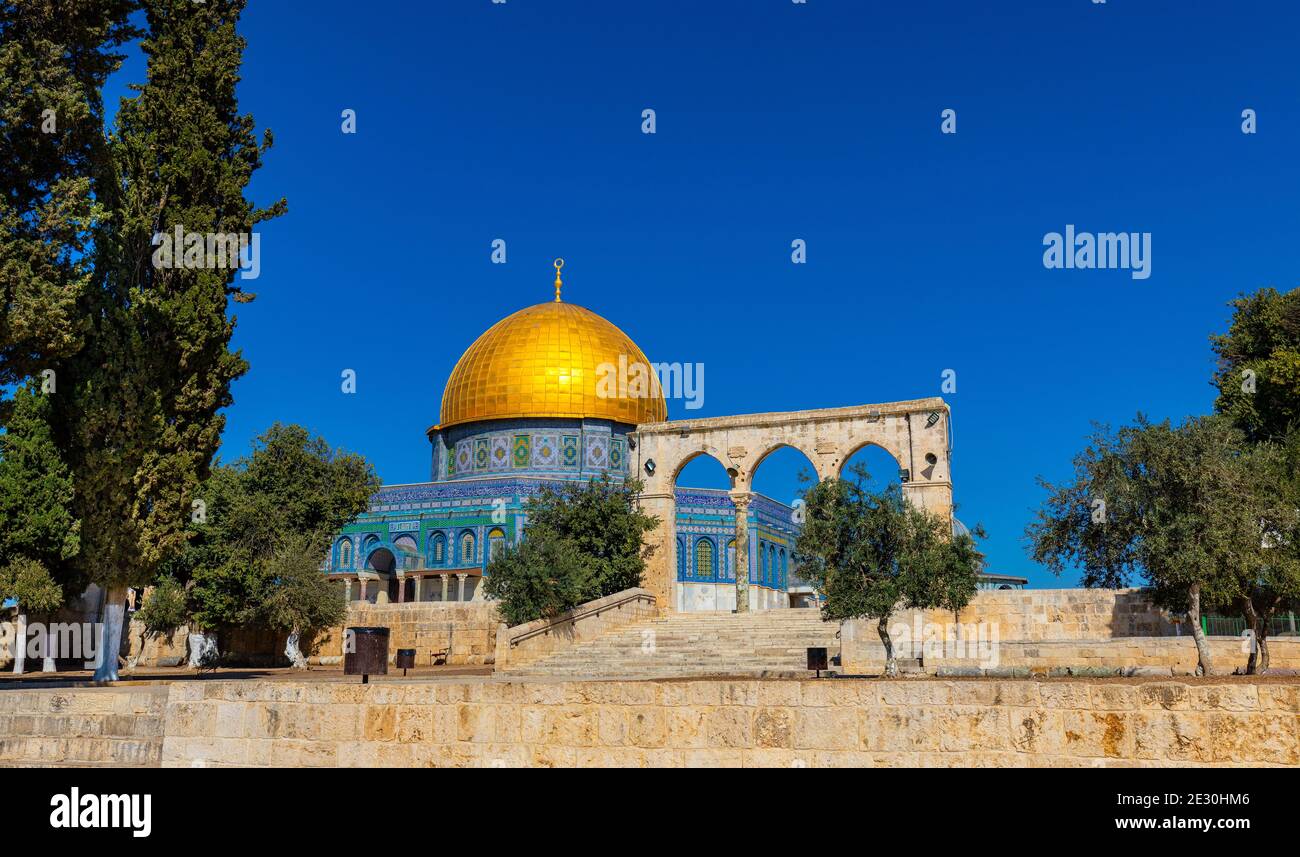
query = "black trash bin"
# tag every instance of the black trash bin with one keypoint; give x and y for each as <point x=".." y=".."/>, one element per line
<point x="405" y="660"/>
<point x="365" y="652"/>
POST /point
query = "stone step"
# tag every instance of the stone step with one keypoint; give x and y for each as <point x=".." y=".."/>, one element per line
<point x="751" y="644"/>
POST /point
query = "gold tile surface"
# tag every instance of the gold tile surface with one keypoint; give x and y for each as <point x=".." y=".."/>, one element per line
<point x="541" y="362"/>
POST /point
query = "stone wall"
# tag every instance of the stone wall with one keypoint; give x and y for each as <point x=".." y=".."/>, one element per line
<point x="480" y="722"/>
<point x="1149" y="656"/>
<point x="758" y="723"/>
<point x="468" y="630"/>
<point x="256" y="647"/>
<point x="82" y="727"/>
<point x="1046" y="629"/>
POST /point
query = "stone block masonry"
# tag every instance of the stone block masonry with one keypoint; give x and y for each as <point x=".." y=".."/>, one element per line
<point x="480" y="722"/>
<point x="83" y="727"/>
<point x="466" y="632"/>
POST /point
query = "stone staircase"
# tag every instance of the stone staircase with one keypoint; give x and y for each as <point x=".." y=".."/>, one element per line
<point x="762" y="643"/>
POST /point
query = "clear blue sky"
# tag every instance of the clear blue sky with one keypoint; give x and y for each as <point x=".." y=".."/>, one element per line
<point x="776" y="121"/>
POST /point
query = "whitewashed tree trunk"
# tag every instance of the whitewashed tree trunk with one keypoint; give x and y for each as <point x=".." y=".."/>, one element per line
<point x="202" y="647"/>
<point x="891" y="663"/>
<point x="20" y="645"/>
<point x="293" y="652"/>
<point x="110" y="635"/>
<point x="47" y="651"/>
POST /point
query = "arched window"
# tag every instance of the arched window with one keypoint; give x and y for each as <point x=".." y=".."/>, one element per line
<point x="681" y="559"/>
<point x="437" y="549"/>
<point x="729" y="573"/>
<point x="704" y="559"/>
<point x="762" y="563"/>
<point x="345" y="553"/>
<point x="496" y="543"/>
<point x="772" y="571"/>
<point x="467" y="548"/>
<point x="781" y="583"/>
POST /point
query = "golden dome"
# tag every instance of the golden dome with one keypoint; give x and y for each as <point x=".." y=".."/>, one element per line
<point x="542" y="362"/>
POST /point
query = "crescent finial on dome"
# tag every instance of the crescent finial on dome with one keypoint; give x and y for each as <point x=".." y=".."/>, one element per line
<point x="559" y="263"/>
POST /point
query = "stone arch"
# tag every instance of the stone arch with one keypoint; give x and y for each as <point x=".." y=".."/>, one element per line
<point x="809" y="457"/>
<point x="909" y="432"/>
<point x="857" y="447"/>
<point x="692" y="455"/>
<point x="381" y="558"/>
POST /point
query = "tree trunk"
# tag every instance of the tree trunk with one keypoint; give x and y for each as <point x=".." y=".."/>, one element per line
<point x="203" y="649"/>
<point x="1204" y="662"/>
<point x="1252" y="625"/>
<point x="20" y="645"/>
<point x="293" y="652"/>
<point x="48" y="665"/>
<point x="891" y="663"/>
<point x="110" y="633"/>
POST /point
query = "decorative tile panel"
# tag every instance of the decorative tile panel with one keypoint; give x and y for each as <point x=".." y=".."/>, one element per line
<point x="544" y="450"/>
<point x="521" y="450"/>
<point x="500" y="453"/>
<point x="569" y="450"/>
<point x="597" y="451"/>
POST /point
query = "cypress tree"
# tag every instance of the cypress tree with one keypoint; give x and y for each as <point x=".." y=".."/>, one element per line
<point x="148" y="386"/>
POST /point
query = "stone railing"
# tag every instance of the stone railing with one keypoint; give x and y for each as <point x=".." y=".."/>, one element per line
<point x="533" y="640"/>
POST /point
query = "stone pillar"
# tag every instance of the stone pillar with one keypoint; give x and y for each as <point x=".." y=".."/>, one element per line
<point x="460" y="587"/>
<point x="419" y="579"/>
<point x="401" y="588"/>
<point x="363" y="583"/>
<point x="933" y="497"/>
<point x="347" y="590"/>
<point x="661" y="564"/>
<point x="444" y="577"/>
<point x="741" y="502"/>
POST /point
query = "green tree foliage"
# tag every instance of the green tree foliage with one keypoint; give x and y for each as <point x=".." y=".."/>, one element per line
<point x="165" y="609"/>
<point x="1264" y="341"/>
<point x="1271" y="582"/>
<point x="584" y="541"/>
<point x="38" y="531"/>
<point x="156" y="369"/>
<point x="869" y="553"/>
<point x="1178" y="505"/>
<point x="54" y="58"/>
<point x="29" y="582"/>
<point x="293" y="596"/>
<point x="255" y="556"/>
<point x="544" y="575"/>
<point x="139" y="403"/>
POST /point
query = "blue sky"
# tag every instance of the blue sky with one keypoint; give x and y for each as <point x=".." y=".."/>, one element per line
<point x="776" y="121"/>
